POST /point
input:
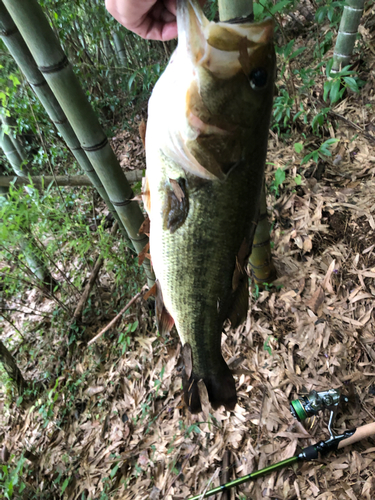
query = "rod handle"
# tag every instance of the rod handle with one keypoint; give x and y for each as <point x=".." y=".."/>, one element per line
<point x="361" y="433"/>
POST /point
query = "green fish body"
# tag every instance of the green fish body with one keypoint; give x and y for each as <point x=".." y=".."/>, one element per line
<point x="206" y="145"/>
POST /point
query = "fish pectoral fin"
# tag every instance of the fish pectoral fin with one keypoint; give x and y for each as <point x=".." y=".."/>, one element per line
<point x="142" y="132"/>
<point x="146" y="197"/>
<point x="176" y="206"/>
<point x="164" y="320"/>
<point x="220" y="387"/>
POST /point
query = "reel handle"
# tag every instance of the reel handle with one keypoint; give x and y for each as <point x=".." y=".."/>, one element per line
<point x="360" y="433"/>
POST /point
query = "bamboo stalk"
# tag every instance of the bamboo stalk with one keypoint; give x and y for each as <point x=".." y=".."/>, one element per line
<point x="24" y="59"/>
<point x="52" y="62"/>
<point x="13" y="156"/>
<point x="10" y="366"/>
<point x="60" y="180"/>
<point x="260" y="260"/>
<point x="236" y="10"/>
<point x="35" y="263"/>
<point x="10" y="124"/>
<point x="347" y="34"/>
<point x="262" y="268"/>
<point x="120" y="48"/>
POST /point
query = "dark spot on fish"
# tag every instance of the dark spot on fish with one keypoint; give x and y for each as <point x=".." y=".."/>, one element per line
<point x="176" y="206"/>
<point x="258" y="78"/>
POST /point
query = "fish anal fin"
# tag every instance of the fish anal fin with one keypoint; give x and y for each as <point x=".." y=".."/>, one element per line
<point x="144" y="254"/>
<point x="145" y="227"/>
<point x="220" y="386"/>
<point x="241" y="260"/>
<point x="240" y="286"/>
<point x="164" y="320"/>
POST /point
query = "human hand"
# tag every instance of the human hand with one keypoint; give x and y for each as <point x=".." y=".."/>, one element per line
<point x="151" y="19"/>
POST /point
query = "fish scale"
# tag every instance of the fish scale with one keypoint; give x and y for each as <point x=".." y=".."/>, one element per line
<point x="206" y="145"/>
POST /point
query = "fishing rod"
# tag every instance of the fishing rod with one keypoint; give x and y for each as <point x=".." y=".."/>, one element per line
<point x="306" y="406"/>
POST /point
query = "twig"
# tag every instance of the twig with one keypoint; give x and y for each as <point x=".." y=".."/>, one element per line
<point x="82" y="301"/>
<point x="260" y="418"/>
<point x="60" y="180"/>
<point x="12" y="325"/>
<point x="366" y="134"/>
<point x="115" y="319"/>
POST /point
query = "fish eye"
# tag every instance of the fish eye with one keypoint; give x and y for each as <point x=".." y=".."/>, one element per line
<point x="258" y="78"/>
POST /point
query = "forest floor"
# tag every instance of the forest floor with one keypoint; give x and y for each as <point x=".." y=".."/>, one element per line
<point x="127" y="434"/>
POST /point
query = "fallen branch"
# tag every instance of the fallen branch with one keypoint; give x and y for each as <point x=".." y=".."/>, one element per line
<point x="113" y="322"/>
<point x="85" y="295"/>
<point x="60" y="180"/>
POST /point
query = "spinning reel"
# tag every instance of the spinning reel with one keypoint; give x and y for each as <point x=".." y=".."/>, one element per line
<point x="314" y="402"/>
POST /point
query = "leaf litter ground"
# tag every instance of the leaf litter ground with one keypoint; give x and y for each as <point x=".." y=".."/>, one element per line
<point x="127" y="434"/>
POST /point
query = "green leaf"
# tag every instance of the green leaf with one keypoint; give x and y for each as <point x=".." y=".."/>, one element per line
<point x="279" y="176"/>
<point x="65" y="484"/>
<point x="307" y="158"/>
<point x="114" y="470"/>
<point x="351" y="83"/>
<point x="297" y="52"/>
<point x="298" y="147"/>
<point x="320" y="14"/>
<point x="279" y="6"/>
<point x="134" y="326"/>
<point x="258" y="10"/>
<point x="266" y="347"/>
<point x="298" y="179"/>
<point x="15" y="80"/>
<point x="334" y="94"/>
<point x="131" y="80"/>
<point x="329" y="68"/>
<point x="327" y="88"/>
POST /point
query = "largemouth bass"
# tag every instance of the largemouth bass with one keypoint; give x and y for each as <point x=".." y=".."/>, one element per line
<point x="206" y="144"/>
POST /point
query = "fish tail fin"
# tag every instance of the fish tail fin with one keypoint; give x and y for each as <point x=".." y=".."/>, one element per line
<point x="220" y="387"/>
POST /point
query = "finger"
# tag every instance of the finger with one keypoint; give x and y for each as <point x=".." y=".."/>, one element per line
<point x="158" y="30"/>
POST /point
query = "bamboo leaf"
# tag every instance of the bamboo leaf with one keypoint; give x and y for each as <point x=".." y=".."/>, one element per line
<point x="327" y="88"/>
<point x="334" y="94"/>
<point x="351" y="83"/>
<point x="65" y="484"/>
<point x="131" y="80"/>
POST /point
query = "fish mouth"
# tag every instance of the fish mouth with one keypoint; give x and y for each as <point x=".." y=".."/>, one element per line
<point x="218" y="46"/>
